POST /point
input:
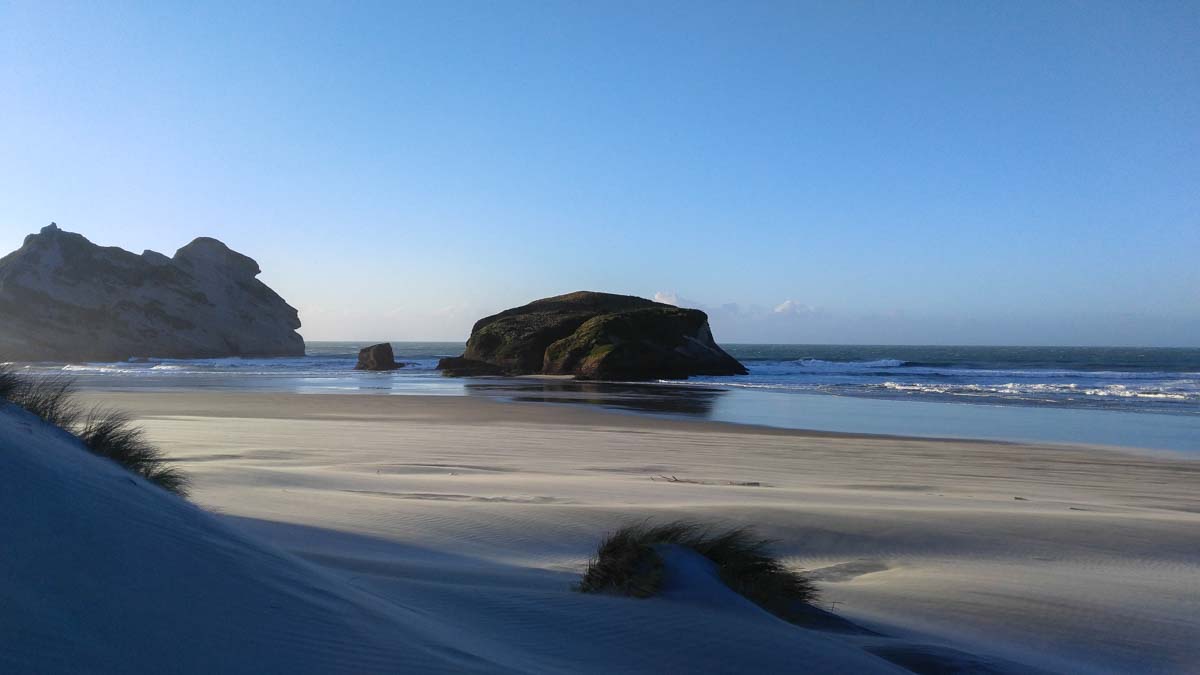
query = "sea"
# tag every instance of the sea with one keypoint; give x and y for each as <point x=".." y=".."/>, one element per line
<point x="1117" y="396"/>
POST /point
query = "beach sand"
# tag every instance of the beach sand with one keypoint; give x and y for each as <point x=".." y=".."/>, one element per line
<point x="1070" y="559"/>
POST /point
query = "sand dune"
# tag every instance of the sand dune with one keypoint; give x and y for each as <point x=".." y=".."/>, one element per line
<point x="105" y="573"/>
<point x="463" y="522"/>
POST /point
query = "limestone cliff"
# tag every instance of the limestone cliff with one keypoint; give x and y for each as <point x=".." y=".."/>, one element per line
<point x="63" y="298"/>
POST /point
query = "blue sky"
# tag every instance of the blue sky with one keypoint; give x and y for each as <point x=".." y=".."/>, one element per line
<point x="893" y="172"/>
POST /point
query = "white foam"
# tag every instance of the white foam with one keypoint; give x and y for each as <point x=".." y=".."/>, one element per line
<point x="1059" y="389"/>
<point x="819" y="364"/>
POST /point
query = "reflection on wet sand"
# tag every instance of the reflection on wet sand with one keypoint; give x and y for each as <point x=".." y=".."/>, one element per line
<point x="645" y="398"/>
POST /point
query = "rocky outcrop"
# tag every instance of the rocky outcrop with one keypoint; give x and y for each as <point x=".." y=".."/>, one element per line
<point x="63" y="298"/>
<point x="377" y="357"/>
<point x="459" y="366"/>
<point x="598" y="336"/>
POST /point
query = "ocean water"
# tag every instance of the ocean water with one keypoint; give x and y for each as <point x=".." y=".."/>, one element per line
<point x="1104" y="378"/>
<point x="1140" y="397"/>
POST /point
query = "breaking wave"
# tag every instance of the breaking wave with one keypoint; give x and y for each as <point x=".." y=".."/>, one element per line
<point x="821" y="364"/>
<point x="1183" y="391"/>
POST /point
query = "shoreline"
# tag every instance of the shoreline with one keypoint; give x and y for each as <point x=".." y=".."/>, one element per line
<point x="583" y="410"/>
<point x="1106" y="397"/>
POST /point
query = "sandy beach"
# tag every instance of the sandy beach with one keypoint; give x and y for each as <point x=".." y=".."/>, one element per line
<point x="1068" y="559"/>
<point x="358" y="338"/>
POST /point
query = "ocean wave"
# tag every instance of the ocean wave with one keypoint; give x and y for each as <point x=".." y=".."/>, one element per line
<point x="235" y="362"/>
<point x="238" y="367"/>
<point x="895" y="368"/>
<point x="1049" y="389"/>
<point x="97" y="368"/>
<point x="778" y="386"/>
<point x="821" y="364"/>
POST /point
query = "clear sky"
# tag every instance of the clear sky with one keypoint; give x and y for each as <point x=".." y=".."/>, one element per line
<point x="891" y="172"/>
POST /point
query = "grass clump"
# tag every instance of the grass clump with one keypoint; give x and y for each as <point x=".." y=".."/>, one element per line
<point x="50" y="398"/>
<point x="112" y="435"/>
<point x="104" y="433"/>
<point x="8" y="382"/>
<point x="627" y="563"/>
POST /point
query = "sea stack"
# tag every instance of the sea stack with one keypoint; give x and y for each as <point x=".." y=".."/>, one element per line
<point x="377" y="357"/>
<point x="594" y="336"/>
<point x="63" y="298"/>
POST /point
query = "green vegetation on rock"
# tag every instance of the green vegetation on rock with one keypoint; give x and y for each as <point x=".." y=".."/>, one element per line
<point x="594" y="336"/>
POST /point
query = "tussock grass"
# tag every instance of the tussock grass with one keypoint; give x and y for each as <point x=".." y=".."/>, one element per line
<point x="628" y="564"/>
<point x="106" y="433"/>
<point x="50" y="398"/>
<point x="8" y="382"/>
<point x="111" y="434"/>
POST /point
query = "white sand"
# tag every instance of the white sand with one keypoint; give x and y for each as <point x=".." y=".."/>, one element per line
<point x="464" y="521"/>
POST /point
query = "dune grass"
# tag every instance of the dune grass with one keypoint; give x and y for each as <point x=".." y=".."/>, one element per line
<point x="627" y="563"/>
<point x="50" y="398"/>
<point x="8" y="382"/>
<point x="105" y="433"/>
<point x="111" y="434"/>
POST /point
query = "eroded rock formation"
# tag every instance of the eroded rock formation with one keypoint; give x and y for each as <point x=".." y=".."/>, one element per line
<point x="63" y="298"/>
<point x="599" y="336"/>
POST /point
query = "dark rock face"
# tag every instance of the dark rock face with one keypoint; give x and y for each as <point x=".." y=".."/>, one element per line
<point x="377" y="357"/>
<point x="63" y="298"/>
<point x="459" y="366"/>
<point x="598" y="336"/>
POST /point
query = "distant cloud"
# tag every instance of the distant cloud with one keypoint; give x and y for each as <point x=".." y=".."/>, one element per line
<point x="793" y="308"/>
<point x="787" y="321"/>
<point x="667" y="297"/>
<point x="734" y="311"/>
<point x="672" y="298"/>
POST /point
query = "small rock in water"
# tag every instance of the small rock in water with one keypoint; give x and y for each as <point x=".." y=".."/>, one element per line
<point x="377" y="357"/>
